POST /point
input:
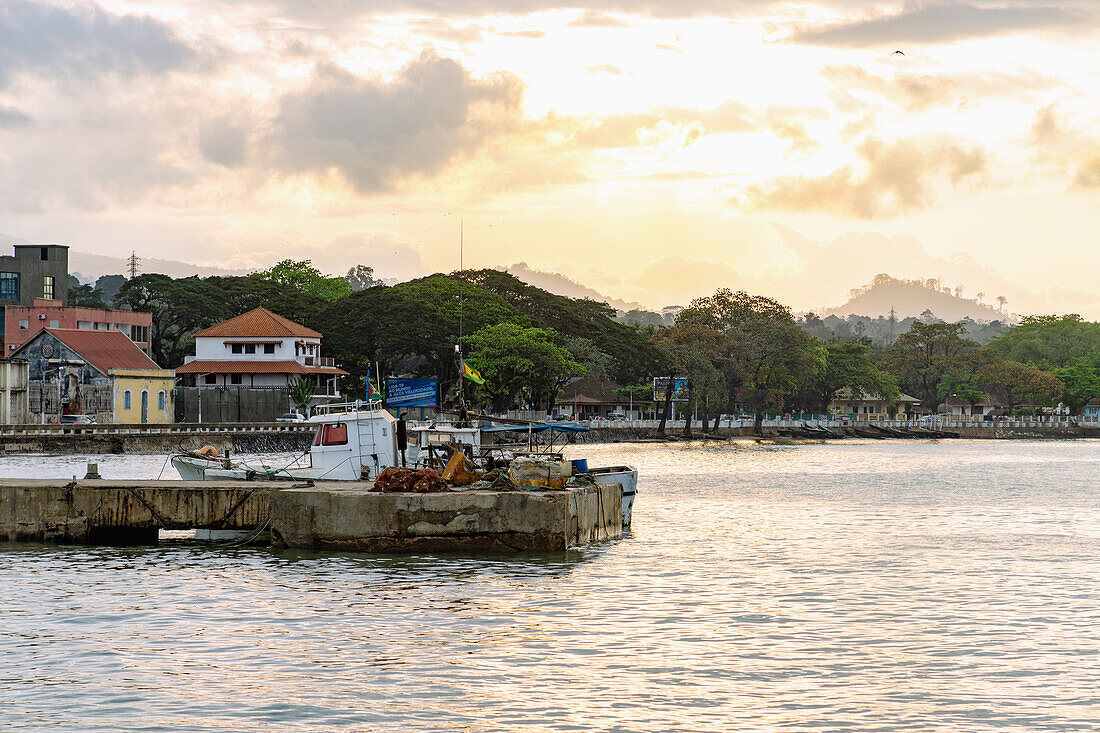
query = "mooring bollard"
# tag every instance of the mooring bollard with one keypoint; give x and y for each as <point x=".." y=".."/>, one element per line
<point x="93" y="471"/>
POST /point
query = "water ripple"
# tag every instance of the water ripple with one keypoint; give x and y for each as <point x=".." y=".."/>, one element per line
<point x="871" y="586"/>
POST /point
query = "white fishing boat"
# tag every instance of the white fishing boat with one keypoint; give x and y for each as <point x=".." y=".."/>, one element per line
<point x="358" y="440"/>
<point x="353" y="441"/>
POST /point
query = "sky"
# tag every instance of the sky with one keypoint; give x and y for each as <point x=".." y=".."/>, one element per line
<point x="654" y="151"/>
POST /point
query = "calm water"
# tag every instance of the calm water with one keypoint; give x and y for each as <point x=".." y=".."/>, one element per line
<point x="859" y="586"/>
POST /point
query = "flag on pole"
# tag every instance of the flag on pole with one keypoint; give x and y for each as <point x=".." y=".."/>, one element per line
<point x="470" y="374"/>
<point x="373" y="394"/>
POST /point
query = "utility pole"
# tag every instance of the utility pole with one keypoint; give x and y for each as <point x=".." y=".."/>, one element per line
<point x="132" y="264"/>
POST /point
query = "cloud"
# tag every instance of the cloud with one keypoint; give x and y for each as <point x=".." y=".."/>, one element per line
<point x="375" y="133"/>
<point x="1088" y="174"/>
<point x="605" y="69"/>
<point x="82" y="43"/>
<point x="595" y="19"/>
<point x="522" y="34"/>
<point x="939" y="23"/>
<point x="897" y="178"/>
<point x="225" y="140"/>
<point x="390" y="257"/>
<point x="11" y="117"/>
<point x="924" y="91"/>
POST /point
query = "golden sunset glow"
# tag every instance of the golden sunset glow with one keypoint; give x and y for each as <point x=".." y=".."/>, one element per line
<point x="653" y="151"/>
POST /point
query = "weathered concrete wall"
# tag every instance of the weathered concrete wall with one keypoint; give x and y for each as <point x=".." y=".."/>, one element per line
<point x="351" y="519"/>
<point x="45" y="510"/>
<point x="328" y="515"/>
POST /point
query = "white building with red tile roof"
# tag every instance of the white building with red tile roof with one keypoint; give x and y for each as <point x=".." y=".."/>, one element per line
<point x="260" y="349"/>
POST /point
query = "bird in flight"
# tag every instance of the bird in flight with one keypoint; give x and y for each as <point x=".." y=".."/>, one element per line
<point x="897" y="52"/>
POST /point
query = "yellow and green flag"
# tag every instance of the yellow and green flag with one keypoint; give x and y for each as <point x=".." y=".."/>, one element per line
<point x="470" y="374"/>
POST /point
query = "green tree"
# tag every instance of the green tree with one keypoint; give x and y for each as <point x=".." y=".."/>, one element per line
<point x="1082" y="382"/>
<point x="412" y="327"/>
<point x="361" y="277"/>
<point x="1049" y="342"/>
<point x="302" y="391"/>
<point x="84" y="296"/>
<point x="1021" y="383"/>
<point x="921" y="357"/>
<point x="632" y="356"/>
<point x="520" y="364"/>
<point x="182" y="307"/>
<point x="850" y="365"/>
<point x="305" y="278"/>
<point x="765" y="356"/>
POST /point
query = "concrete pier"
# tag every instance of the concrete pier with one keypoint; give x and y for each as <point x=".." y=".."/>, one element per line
<point x="332" y="515"/>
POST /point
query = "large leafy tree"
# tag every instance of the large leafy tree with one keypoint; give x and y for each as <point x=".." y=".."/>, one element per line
<point x="1049" y="342"/>
<point x="766" y="356"/>
<point x="1082" y="382"/>
<point x="632" y="356"/>
<point x="850" y="365"/>
<point x="1020" y="383"/>
<point x="305" y="278"/>
<point x="182" y="307"/>
<point x="412" y="327"/>
<point x="83" y="295"/>
<point x="921" y="357"/>
<point x="520" y="364"/>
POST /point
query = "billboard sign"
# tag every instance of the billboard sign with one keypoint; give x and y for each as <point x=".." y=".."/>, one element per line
<point x="679" y="389"/>
<point x="411" y="392"/>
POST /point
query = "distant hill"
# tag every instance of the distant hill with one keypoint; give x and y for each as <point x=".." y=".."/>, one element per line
<point x="561" y="285"/>
<point x="87" y="267"/>
<point x="911" y="298"/>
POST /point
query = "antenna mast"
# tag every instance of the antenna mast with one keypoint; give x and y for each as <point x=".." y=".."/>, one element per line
<point x="458" y="346"/>
<point x="132" y="264"/>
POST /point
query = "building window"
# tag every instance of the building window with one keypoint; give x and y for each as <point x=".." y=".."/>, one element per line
<point x="211" y="378"/>
<point x="250" y="348"/>
<point x="55" y="324"/>
<point x="235" y="379"/>
<point x="126" y="400"/>
<point x="47" y="287"/>
<point x="139" y="334"/>
<point x="45" y="253"/>
<point x="237" y="348"/>
<point x="100" y="326"/>
<point x="269" y="348"/>
<point x="24" y="325"/>
<point x="9" y="286"/>
<point x="335" y="434"/>
<point x="84" y="325"/>
<point x="161" y="399"/>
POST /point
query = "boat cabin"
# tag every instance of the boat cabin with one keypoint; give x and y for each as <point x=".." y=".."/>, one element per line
<point x="353" y="439"/>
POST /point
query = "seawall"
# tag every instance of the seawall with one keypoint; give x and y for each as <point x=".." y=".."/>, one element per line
<point x="325" y="515"/>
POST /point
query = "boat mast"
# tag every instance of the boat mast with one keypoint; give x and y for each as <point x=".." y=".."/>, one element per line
<point x="458" y="346"/>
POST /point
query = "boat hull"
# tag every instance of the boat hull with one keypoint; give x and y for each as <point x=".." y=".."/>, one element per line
<point x="627" y="478"/>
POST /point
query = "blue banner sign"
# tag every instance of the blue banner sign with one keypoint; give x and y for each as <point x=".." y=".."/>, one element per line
<point x="680" y="391"/>
<point x="411" y="392"/>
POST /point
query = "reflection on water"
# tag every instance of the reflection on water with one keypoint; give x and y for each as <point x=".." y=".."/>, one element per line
<point x="855" y="586"/>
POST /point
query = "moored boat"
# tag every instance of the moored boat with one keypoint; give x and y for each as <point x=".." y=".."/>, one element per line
<point x="358" y="440"/>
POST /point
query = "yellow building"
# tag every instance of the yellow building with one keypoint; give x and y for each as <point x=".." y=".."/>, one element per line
<point x="143" y="395"/>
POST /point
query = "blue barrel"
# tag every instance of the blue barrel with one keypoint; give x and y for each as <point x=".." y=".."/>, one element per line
<point x="580" y="465"/>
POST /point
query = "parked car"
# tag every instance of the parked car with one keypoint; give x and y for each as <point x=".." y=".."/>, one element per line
<point x="77" y="420"/>
<point x="616" y="416"/>
<point x="291" y="417"/>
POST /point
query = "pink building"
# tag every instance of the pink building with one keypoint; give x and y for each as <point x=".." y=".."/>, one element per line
<point x="23" y="322"/>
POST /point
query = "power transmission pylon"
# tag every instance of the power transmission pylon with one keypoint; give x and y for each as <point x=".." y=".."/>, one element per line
<point x="132" y="264"/>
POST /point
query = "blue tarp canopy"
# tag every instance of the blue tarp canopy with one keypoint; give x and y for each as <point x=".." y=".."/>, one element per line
<point x="539" y="427"/>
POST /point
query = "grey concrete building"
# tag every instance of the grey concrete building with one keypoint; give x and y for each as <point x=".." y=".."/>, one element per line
<point x="34" y="271"/>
